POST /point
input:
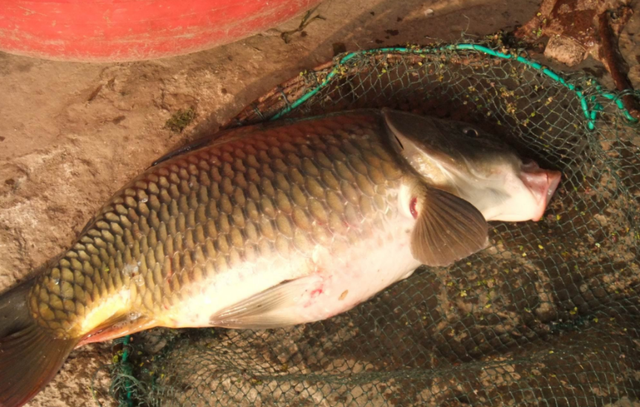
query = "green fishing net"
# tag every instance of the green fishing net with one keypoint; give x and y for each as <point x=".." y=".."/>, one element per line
<point x="548" y="315"/>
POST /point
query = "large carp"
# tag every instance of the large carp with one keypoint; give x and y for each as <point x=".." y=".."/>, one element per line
<point x="268" y="226"/>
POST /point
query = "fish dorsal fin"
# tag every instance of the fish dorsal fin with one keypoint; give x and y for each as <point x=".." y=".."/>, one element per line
<point x="224" y="136"/>
<point x="447" y="228"/>
<point x="194" y="145"/>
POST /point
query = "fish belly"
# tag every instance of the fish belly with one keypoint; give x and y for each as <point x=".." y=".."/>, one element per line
<point x="354" y="280"/>
<point x="302" y="289"/>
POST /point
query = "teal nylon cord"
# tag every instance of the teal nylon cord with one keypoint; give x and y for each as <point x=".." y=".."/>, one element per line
<point x="590" y="114"/>
<point x="125" y="356"/>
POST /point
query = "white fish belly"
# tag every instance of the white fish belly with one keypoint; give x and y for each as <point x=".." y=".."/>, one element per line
<point x="325" y="284"/>
<point x="354" y="279"/>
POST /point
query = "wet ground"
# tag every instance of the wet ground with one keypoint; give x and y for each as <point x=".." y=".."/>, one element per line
<point x="71" y="134"/>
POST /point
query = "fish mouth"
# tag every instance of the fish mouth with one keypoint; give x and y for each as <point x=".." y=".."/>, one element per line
<point x="542" y="183"/>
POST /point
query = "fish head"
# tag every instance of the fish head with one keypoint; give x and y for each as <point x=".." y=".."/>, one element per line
<point x="471" y="164"/>
<point x="501" y="185"/>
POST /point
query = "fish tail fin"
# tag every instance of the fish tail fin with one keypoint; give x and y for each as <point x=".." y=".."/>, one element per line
<point x="30" y="355"/>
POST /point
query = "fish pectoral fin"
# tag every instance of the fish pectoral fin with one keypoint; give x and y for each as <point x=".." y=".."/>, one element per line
<point x="447" y="229"/>
<point x="270" y="308"/>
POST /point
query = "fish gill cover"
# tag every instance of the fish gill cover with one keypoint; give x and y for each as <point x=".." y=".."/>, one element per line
<point x="549" y="314"/>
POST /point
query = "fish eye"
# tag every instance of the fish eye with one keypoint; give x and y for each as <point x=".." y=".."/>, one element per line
<point x="470" y="131"/>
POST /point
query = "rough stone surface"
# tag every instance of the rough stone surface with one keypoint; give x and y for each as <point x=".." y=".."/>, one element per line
<point x="565" y="50"/>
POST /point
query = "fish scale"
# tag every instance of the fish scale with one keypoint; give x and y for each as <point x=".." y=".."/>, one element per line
<point x="185" y="222"/>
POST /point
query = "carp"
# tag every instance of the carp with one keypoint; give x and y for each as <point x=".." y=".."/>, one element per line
<point x="268" y="226"/>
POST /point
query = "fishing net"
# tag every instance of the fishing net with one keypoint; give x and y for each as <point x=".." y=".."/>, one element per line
<point x="548" y="315"/>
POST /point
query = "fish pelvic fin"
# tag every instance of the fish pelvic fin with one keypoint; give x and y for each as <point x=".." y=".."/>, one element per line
<point x="30" y="355"/>
<point x="447" y="228"/>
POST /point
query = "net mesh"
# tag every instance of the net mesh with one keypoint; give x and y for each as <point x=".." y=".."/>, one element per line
<point x="548" y="315"/>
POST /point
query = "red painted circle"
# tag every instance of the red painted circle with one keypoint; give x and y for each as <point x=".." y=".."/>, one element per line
<point x="126" y="30"/>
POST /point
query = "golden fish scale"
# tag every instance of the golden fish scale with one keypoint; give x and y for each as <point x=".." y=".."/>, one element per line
<point x="266" y="191"/>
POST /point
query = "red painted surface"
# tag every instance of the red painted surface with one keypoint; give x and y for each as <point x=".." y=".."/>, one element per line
<point x="125" y="30"/>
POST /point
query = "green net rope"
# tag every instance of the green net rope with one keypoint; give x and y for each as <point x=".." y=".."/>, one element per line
<point x="590" y="113"/>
